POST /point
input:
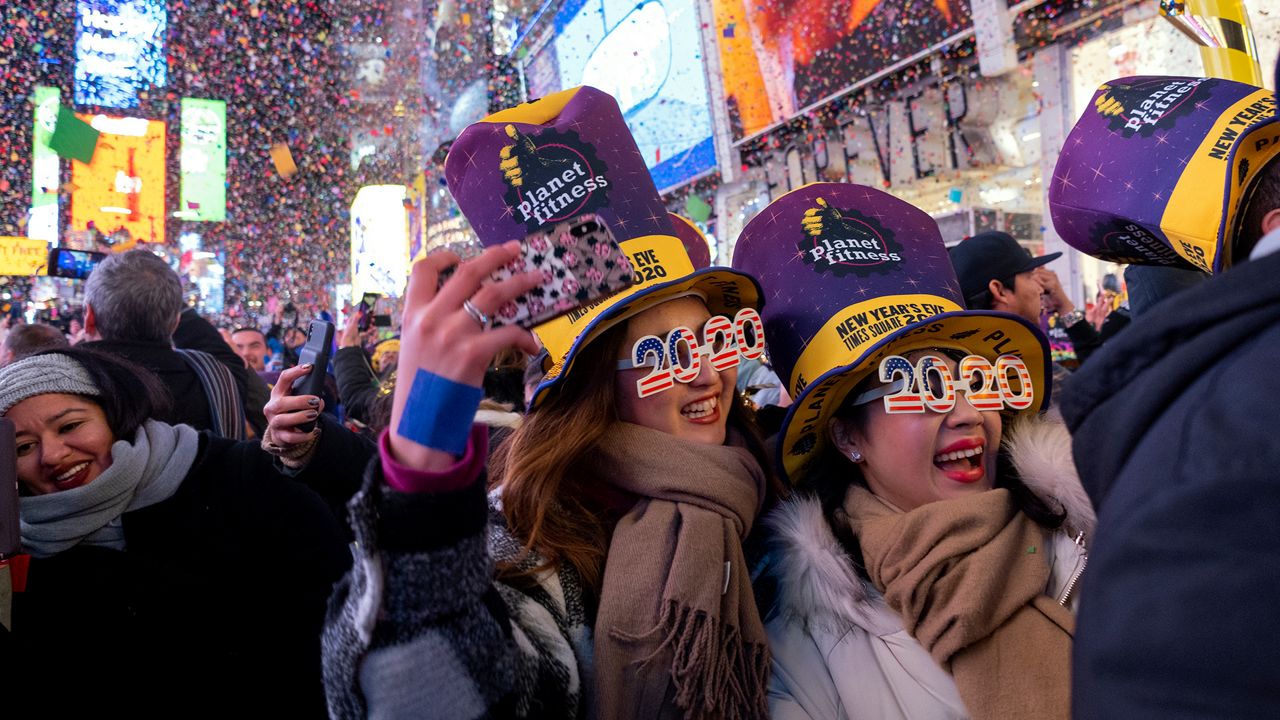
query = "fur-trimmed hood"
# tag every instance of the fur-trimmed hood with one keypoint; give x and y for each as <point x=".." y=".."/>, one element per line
<point x="816" y="580"/>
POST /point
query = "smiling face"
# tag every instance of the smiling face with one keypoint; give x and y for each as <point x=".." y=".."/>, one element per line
<point x="911" y="459"/>
<point x="694" y="411"/>
<point x="251" y="346"/>
<point x="63" y="442"/>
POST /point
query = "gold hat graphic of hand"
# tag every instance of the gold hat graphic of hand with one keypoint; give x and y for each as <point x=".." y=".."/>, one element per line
<point x="820" y="218"/>
<point x="521" y="157"/>
<point x="1106" y="104"/>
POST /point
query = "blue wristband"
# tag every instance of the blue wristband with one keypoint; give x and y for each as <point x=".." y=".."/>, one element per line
<point x="439" y="413"/>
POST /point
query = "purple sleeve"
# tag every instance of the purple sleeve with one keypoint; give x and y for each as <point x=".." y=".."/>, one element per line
<point x="456" y="477"/>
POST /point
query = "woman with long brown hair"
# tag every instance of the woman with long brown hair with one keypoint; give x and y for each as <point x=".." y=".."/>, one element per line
<point x="607" y="576"/>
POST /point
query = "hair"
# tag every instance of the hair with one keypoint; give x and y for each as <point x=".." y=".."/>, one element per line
<point x="134" y="296"/>
<point x="129" y="394"/>
<point x="378" y="413"/>
<point x="983" y="300"/>
<point x="533" y="372"/>
<point x="26" y="340"/>
<point x="544" y="472"/>
<point x="831" y="474"/>
<point x="250" y="329"/>
<point x="1261" y="199"/>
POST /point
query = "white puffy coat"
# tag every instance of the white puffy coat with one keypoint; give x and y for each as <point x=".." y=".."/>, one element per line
<point x="840" y="652"/>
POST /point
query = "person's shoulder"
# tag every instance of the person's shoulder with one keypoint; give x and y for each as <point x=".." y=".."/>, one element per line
<point x="817" y="586"/>
<point x="1227" y="417"/>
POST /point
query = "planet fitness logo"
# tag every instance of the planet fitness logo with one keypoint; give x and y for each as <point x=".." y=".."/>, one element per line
<point x="842" y="241"/>
<point x="553" y="177"/>
<point x="1127" y="242"/>
<point x="1143" y="107"/>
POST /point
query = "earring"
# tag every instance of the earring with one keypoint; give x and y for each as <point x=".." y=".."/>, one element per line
<point x="855" y="456"/>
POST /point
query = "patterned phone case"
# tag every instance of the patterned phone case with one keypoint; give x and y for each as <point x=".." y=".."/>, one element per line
<point x="580" y="262"/>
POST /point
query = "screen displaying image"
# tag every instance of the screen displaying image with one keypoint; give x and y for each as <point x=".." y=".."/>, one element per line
<point x="119" y="50"/>
<point x="780" y="56"/>
<point x="121" y="193"/>
<point x="648" y="56"/>
<point x="75" y="263"/>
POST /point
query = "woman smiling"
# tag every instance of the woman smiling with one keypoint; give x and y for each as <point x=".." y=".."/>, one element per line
<point x="162" y="553"/>
<point x="927" y="567"/>
<point x="608" y="577"/>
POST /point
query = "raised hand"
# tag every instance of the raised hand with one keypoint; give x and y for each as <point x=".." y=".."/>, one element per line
<point x="444" y="338"/>
<point x="285" y="413"/>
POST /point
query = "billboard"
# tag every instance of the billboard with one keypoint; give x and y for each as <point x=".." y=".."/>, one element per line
<point x="43" y="224"/>
<point x="379" y="241"/>
<point x="203" y="160"/>
<point x="781" y="56"/>
<point x="647" y="55"/>
<point x="23" y="256"/>
<point x="121" y="193"/>
<point x="119" y="50"/>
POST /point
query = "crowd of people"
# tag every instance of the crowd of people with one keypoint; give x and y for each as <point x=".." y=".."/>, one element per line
<point x="840" y="478"/>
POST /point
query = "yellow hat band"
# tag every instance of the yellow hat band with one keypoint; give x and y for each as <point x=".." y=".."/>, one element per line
<point x="850" y="331"/>
<point x="1192" y="204"/>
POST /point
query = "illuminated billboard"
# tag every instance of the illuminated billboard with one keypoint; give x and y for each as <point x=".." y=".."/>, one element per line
<point x="648" y="56"/>
<point x="121" y="193"/>
<point x="379" y="241"/>
<point x="203" y="160"/>
<point x="119" y="50"/>
<point x="782" y="56"/>
<point x="43" y="224"/>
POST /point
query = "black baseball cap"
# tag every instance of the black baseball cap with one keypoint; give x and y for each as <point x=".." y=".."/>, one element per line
<point x="992" y="255"/>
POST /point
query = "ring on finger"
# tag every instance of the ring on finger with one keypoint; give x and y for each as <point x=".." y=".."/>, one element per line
<point x="475" y="312"/>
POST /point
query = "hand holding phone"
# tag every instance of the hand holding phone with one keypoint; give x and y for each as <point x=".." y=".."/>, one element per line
<point x="365" y="310"/>
<point x="441" y="344"/>
<point x="316" y="352"/>
<point x="580" y="262"/>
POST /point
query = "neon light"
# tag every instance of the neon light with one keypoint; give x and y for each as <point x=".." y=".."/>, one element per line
<point x="133" y="127"/>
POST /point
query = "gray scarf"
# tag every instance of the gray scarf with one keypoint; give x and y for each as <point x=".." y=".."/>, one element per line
<point x="147" y="471"/>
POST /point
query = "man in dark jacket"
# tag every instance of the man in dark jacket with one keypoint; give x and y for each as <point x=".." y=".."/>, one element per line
<point x="1174" y="439"/>
<point x="133" y="309"/>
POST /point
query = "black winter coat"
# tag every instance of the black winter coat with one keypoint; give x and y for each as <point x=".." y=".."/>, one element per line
<point x="1174" y="423"/>
<point x="215" y="607"/>
<point x="190" y="405"/>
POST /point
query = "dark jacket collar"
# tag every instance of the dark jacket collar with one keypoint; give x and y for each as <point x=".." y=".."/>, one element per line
<point x="1113" y="399"/>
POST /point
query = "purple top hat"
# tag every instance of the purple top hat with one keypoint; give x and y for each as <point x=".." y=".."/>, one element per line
<point x="529" y="167"/>
<point x="1156" y="169"/>
<point x="852" y="274"/>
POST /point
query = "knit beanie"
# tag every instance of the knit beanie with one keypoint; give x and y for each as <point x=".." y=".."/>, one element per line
<point x="41" y="375"/>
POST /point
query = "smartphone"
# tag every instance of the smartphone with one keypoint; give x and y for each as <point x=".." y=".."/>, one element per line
<point x="580" y="262"/>
<point x="73" y="263"/>
<point x="364" y="311"/>
<point x="10" y="539"/>
<point x="382" y="321"/>
<point x="319" y="342"/>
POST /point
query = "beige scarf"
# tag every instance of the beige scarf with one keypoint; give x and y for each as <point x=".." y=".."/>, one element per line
<point x="677" y="633"/>
<point x="968" y="577"/>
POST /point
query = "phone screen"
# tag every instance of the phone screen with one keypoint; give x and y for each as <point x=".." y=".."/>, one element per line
<point x="73" y="263"/>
